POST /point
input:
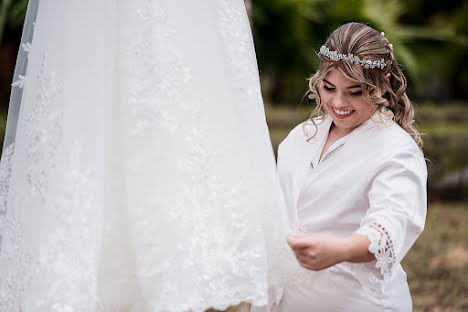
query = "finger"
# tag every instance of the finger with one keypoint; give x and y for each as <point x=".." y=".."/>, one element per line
<point x="308" y="253"/>
<point x="301" y="259"/>
<point x="292" y="239"/>
<point x="301" y="251"/>
<point x="308" y="266"/>
<point x="302" y="242"/>
<point x="303" y="263"/>
<point x="311" y="265"/>
<point x="297" y="240"/>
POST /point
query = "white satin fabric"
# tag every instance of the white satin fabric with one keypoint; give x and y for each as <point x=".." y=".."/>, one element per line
<point x="138" y="174"/>
<point x="371" y="182"/>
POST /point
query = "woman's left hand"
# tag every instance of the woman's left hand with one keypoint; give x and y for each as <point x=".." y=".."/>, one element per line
<point x="317" y="251"/>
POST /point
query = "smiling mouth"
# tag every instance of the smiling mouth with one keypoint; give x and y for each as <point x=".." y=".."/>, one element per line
<point x="342" y="113"/>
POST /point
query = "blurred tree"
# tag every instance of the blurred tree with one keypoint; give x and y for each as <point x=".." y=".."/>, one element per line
<point x="12" y="15"/>
<point x="430" y="40"/>
<point x="288" y="33"/>
<point x="284" y="41"/>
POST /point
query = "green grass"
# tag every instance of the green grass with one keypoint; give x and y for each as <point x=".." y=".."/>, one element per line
<point x="437" y="265"/>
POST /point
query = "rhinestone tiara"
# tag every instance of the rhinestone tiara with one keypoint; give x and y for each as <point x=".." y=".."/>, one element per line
<point x="335" y="56"/>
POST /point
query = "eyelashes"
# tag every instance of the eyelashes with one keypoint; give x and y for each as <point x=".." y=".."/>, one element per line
<point x="328" y="89"/>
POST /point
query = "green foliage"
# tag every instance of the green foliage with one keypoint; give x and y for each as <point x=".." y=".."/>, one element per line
<point x="288" y="33"/>
<point x="11" y="15"/>
<point x="430" y="40"/>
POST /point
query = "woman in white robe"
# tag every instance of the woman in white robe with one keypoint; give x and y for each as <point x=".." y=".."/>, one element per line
<point x="354" y="181"/>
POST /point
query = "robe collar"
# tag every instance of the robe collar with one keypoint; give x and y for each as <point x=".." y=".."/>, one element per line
<point x="323" y="128"/>
<point x="309" y="151"/>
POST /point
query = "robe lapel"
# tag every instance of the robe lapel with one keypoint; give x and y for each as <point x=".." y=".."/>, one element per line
<point x="308" y="153"/>
<point x="305" y="154"/>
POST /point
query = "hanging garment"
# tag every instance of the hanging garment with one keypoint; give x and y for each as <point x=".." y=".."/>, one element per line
<point x="137" y="171"/>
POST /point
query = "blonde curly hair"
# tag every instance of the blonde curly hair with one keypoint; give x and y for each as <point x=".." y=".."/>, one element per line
<point x="367" y="43"/>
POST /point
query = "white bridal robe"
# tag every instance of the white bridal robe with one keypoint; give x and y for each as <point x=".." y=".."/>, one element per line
<point x="137" y="171"/>
<point x="371" y="182"/>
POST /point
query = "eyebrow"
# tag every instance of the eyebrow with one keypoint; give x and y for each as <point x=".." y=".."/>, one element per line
<point x="350" y="87"/>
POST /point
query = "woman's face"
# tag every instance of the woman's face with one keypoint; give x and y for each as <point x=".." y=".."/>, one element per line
<point x="343" y="100"/>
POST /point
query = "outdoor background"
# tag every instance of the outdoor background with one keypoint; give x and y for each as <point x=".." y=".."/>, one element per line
<point x="430" y="42"/>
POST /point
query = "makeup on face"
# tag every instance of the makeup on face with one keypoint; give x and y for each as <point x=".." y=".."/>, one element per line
<point x="342" y="98"/>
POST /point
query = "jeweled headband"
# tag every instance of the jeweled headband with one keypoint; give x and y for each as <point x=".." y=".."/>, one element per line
<point x="335" y="56"/>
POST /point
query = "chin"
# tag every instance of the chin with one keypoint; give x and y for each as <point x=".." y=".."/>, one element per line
<point x="346" y="124"/>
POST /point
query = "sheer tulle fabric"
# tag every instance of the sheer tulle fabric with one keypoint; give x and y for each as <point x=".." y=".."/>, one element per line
<point x="137" y="172"/>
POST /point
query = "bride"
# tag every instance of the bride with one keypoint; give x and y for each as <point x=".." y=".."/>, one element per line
<point x="137" y="172"/>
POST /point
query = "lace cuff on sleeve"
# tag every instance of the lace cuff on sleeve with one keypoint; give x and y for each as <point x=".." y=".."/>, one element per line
<point x="372" y="275"/>
<point x="381" y="246"/>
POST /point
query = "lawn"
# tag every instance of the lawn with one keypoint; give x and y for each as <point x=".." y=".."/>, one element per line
<point x="437" y="265"/>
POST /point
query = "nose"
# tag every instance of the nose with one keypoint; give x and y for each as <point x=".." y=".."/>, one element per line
<point x="339" y="101"/>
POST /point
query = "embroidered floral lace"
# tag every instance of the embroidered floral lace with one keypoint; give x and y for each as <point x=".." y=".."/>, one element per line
<point x="137" y="172"/>
<point x="373" y="274"/>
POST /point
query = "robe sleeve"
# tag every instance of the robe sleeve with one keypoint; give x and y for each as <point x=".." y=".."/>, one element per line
<point x="397" y="209"/>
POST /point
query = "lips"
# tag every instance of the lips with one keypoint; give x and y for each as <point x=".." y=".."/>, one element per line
<point x="342" y="114"/>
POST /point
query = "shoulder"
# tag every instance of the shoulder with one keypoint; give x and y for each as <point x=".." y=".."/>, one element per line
<point x="395" y="136"/>
<point x="287" y="149"/>
<point x="293" y="135"/>
<point x="395" y="146"/>
<point x="305" y="130"/>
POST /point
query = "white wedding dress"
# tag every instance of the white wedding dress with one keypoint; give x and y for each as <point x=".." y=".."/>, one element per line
<point x="137" y="171"/>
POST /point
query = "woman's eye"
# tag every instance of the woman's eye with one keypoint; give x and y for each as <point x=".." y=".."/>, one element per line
<point x="328" y="88"/>
<point x="356" y="93"/>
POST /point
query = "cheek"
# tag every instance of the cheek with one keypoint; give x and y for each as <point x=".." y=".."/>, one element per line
<point x="364" y="107"/>
<point x="369" y="109"/>
<point x="324" y="98"/>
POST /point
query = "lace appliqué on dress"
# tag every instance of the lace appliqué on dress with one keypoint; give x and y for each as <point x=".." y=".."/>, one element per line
<point x="229" y="267"/>
<point x="5" y="175"/>
<point x="236" y="32"/>
<point x="43" y="135"/>
<point x="43" y="129"/>
<point x="158" y="76"/>
<point x="13" y="255"/>
<point x="26" y="47"/>
<point x="68" y="257"/>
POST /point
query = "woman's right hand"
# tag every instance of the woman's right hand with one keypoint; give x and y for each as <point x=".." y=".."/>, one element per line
<point x="319" y="251"/>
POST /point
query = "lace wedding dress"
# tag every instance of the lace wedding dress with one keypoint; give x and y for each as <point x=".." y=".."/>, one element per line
<point x="137" y="172"/>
